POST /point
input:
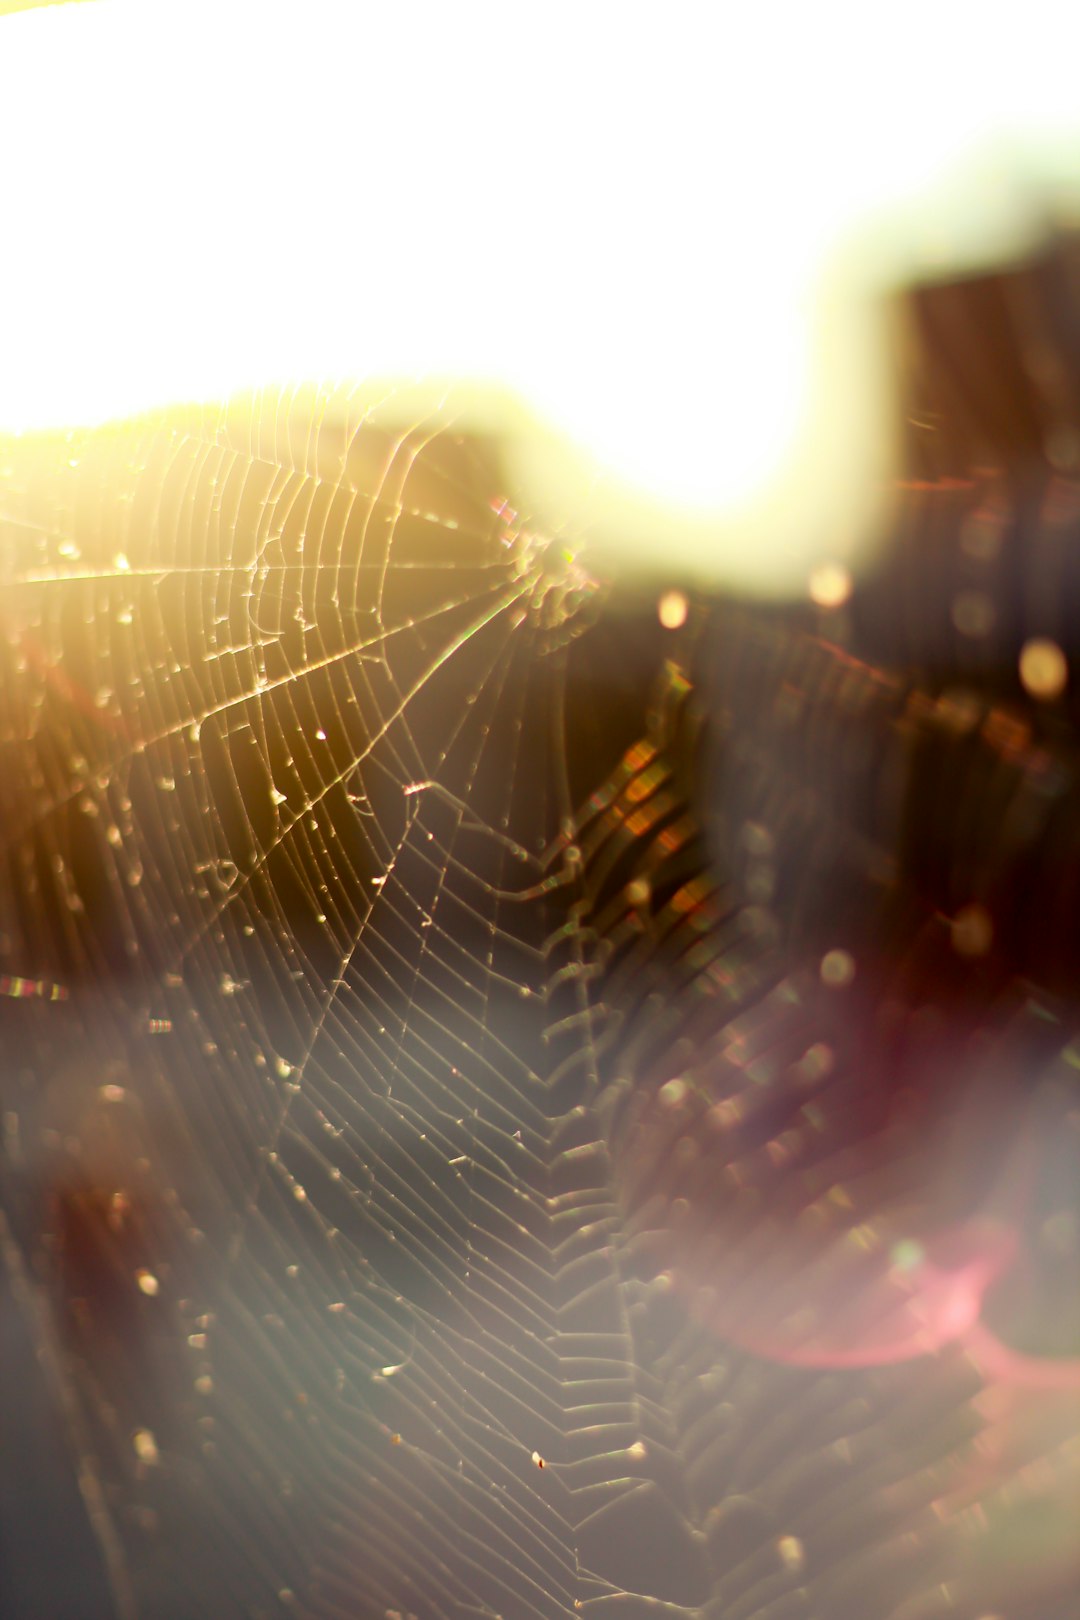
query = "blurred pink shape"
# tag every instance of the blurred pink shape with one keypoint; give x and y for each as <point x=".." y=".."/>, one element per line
<point x="927" y="1296"/>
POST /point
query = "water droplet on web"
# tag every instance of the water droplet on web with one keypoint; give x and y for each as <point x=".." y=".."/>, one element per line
<point x="276" y="796"/>
<point x="225" y="873"/>
<point x="148" y="1283"/>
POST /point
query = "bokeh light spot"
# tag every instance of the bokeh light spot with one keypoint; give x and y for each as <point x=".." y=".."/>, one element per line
<point x="830" y="585"/>
<point x="1043" y="669"/>
<point x="972" y="931"/>
<point x="906" y="1254"/>
<point x="673" y="608"/>
<point x="792" y="1552"/>
<point x="837" y="969"/>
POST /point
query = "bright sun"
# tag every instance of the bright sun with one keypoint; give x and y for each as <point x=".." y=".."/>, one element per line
<point x="659" y="239"/>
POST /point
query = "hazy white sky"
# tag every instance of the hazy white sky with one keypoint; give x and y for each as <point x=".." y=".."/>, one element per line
<point x="624" y="219"/>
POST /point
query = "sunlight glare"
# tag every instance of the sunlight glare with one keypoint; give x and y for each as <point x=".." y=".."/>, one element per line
<point x="637" y="232"/>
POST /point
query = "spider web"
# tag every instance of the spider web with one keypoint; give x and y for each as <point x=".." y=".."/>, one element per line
<point x="370" y="942"/>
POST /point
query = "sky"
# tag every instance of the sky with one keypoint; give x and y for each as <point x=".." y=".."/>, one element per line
<point x="665" y="244"/>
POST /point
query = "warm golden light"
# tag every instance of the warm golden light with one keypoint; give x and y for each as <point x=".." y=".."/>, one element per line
<point x="830" y="585"/>
<point x="972" y="931"/>
<point x="672" y="609"/>
<point x="1043" y="669"/>
<point x="661" y="240"/>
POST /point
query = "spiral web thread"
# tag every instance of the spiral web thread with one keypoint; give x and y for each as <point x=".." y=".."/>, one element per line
<point x="354" y="871"/>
